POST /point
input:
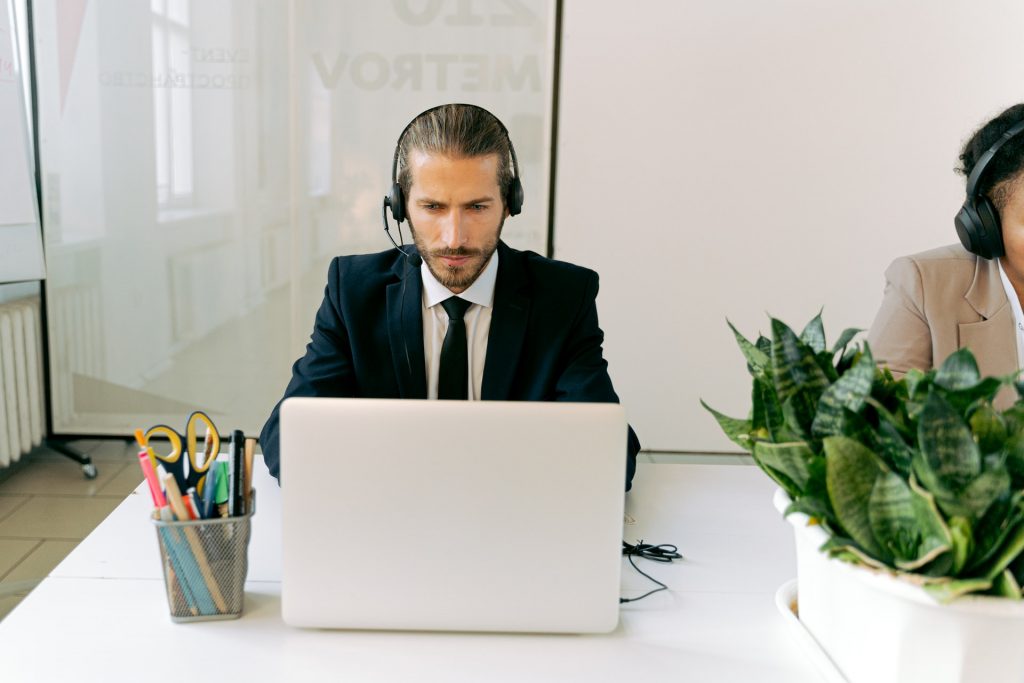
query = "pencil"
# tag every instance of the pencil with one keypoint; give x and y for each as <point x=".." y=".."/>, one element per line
<point x="178" y="506"/>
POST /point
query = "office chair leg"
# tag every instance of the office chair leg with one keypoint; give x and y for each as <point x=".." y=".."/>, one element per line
<point x="62" y="447"/>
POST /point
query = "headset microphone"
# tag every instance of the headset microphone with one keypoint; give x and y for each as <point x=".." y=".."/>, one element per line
<point x="412" y="259"/>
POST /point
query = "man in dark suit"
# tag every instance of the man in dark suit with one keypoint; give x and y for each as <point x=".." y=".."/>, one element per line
<point x="461" y="316"/>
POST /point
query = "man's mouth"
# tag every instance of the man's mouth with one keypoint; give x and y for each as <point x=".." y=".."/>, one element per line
<point x="454" y="259"/>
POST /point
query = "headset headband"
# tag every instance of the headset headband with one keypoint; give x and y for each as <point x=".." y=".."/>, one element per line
<point x="986" y="158"/>
<point x="398" y="147"/>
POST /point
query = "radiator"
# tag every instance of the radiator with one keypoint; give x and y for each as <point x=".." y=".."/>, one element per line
<point x="21" y="379"/>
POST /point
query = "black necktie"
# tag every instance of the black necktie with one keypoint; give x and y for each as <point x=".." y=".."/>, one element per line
<point x="453" y="376"/>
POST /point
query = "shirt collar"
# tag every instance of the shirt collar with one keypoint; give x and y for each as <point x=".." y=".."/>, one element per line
<point x="481" y="292"/>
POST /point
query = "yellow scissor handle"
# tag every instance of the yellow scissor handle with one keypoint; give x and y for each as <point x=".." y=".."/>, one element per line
<point x="192" y="440"/>
<point x="174" y="452"/>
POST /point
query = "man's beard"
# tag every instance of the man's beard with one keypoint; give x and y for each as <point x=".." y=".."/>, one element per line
<point x="458" y="277"/>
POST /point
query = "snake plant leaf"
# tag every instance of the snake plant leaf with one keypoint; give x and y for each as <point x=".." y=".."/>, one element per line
<point x="851" y="471"/>
<point x="846" y="361"/>
<point x="764" y="344"/>
<point x="906" y="523"/>
<point x="813" y="334"/>
<point x="989" y="428"/>
<point x="798" y="413"/>
<point x="966" y="400"/>
<point x="891" y="447"/>
<point x="849" y="392"/>
<point x="784" y="482"/>
<point x="757" y="360"/>
<point x="1014" y="417"/>
<point x="794" y="366"/>
<point x="814" y="507"/>
<point x="1006" y="586"/>
<point x="947" y="444"/>
<point x="947" y="591"/>
<point x="824" y="360"/>
<point x="1019" y="386"/>
<point x="766" y="412"/>
<point x="789" y="459"/>
<point x="992" y="530"/>
<point x="917" y="383"/>
<point x="958" y="371"/>
<point x="845" y="549"/>
<point x="738" y="431"/>
<point x="844" y="339"/>
<point x="1007" y="553"/>
<point x="1014" y="450"/>
<point x="963" y="543"/>
<point x="978" y="495"/>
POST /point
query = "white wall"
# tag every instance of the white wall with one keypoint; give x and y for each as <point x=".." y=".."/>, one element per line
<point x="728" y="158"/>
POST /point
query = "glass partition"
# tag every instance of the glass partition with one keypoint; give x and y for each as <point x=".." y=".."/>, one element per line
<point x="202" y="162"/>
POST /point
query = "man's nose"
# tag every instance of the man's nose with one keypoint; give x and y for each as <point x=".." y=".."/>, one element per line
<point x="454" y="233"/>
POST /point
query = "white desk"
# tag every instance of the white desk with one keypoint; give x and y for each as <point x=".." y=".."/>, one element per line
<point x="102" y="614"/>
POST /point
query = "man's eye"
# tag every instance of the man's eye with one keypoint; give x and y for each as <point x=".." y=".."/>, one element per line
<point x="478" y="207"/>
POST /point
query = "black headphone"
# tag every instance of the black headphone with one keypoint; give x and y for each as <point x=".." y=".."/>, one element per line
<point x="396" y="199"/>
<point x="977" y="221"/>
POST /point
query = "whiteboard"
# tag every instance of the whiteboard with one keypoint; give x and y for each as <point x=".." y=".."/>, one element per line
<point x="21" y="245"/>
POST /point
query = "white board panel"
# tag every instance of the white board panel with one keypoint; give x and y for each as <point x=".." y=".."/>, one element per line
<point x="732" y="158"/>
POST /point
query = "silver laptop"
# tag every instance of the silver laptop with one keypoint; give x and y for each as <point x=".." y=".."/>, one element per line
<point x="452" y="515"/>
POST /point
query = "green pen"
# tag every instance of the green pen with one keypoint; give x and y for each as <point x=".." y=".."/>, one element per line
<point x="221" y="496"/>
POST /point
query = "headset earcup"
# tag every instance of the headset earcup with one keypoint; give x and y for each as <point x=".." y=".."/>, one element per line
<point x="397" y="203"/>
<point x="991" y="228"/>
<point x="966" y="228"/>
<point x="514" y="200"/>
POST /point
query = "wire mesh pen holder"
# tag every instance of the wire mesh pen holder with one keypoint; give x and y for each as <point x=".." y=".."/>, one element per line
<point x="205" y="562"/>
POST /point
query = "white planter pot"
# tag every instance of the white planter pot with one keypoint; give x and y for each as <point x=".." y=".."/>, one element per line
<point x="877" y="628"/>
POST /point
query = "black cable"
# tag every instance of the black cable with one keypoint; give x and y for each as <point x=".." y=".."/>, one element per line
<point x="665" y="552"/>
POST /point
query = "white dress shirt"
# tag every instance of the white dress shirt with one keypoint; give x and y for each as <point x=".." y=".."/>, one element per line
<point x="478" y="324"/>
<point x="1018" y="315"/>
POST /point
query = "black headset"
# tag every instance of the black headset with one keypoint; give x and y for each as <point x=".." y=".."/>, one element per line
<point x="396" y="199"/>
<point x="977" y="221"/>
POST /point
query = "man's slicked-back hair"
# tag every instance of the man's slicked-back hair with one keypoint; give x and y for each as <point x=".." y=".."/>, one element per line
<point x="459" y="131"/>
<point x="1006" y="165"/>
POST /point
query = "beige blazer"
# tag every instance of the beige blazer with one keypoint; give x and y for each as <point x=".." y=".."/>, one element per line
<point x="939" y="301"/>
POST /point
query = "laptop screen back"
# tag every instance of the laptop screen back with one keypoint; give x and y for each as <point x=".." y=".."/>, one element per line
<point x="452" y="515"/>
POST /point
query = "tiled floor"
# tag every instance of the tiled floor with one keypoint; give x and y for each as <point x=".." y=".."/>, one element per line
<point x="47" y="506"/>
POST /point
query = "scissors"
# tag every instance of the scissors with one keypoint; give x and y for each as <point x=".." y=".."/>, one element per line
<point x="183" y="451"/>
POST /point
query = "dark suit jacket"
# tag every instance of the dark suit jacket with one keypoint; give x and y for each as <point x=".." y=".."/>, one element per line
<point x="544" y="342"/>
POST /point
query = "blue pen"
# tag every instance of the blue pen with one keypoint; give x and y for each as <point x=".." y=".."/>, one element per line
<point x="210" y="490"/>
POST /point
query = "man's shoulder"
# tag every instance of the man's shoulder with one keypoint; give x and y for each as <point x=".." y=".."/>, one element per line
<point x="381" y="263"/>
<point x="549" y="271"/>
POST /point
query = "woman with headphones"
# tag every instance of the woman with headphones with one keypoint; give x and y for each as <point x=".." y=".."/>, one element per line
<point x="966" y="295"/>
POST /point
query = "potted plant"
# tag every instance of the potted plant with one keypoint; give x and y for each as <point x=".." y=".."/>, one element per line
<point x="907" y="497"/>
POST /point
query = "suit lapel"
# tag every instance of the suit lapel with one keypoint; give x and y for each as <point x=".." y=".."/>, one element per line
<point x="992" y="340"/>
<point x="405" y="331"/>
<point x="508" y="325"/>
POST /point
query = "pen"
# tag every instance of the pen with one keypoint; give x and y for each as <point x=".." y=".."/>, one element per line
<point x="210" y="489"/>
<point x="220" y="497"/>
<point x="192" y="498"/>
<point x="150" y="475"/>
<point x="250" y="449"/>
<point x="236" y="478"/>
